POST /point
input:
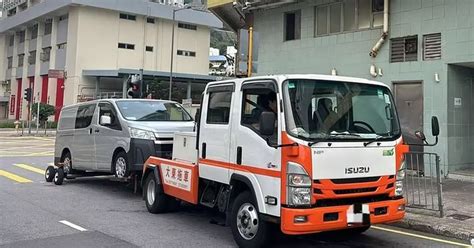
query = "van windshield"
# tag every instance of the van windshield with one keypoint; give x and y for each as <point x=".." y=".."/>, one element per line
<point x="332" y="110"/>
<point x="152" y="111"/>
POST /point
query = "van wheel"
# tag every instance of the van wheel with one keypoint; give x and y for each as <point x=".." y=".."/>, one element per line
<point x="67" y="163"/>
<point x="120" y="166"/>
<point x="155" y="198"/>
<point x="247" y="228"/>
<point x="59" y="176"/>
<point x="49" y="174"/>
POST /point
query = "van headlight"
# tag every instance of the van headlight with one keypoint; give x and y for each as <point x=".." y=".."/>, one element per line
<point x="400" y="177"/>
<point x="298" y="185"/>
<point x="141" y="134"/>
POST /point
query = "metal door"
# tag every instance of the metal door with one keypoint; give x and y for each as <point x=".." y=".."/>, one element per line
<point x="409" y="101"/>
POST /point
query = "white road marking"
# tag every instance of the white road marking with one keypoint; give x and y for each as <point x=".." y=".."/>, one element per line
<point x="420" y="236"/>
<point x="67" y="223"/>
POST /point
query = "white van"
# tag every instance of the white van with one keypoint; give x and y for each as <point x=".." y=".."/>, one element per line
<point x="117" y="135"/>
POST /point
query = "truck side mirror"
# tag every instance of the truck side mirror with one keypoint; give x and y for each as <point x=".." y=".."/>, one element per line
<point x="197" y="115"/>
<point x="267" y="123"/>
<point x="434" y="126"/>
<point x="105" y="120"/>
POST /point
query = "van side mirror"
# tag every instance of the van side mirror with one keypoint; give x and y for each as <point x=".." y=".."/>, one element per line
<point x="434" y="126"/>
<point x="267" y="123"/>
<point x="105" y="120"/>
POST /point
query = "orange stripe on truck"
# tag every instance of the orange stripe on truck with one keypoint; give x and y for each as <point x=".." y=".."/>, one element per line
<point x="244" y="168"/>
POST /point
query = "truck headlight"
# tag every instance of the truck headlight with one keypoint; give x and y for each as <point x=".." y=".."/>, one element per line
<point x="400" y="177"/>
<point x="141" y="134"/>
<point x="298" y="186"/>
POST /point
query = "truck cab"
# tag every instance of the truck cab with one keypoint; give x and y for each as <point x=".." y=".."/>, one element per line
<point x="310" y="153"/>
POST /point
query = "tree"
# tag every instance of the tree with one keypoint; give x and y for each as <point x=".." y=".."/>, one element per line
<point x="45" y="112"/>
<point x="222" y="39"/>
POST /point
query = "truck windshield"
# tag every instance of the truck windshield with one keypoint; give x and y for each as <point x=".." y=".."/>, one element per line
<point x="319" y="110"/>
<point x="152" y="111"/>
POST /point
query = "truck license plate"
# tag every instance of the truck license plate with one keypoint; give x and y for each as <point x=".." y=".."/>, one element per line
<point x="358" y="214"/>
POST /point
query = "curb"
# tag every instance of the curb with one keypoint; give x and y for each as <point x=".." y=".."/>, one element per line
<point x="435" y="228"/>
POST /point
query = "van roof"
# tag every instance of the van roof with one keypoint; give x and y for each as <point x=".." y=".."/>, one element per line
<point x="283" y="77"/>
<point x="116" y="100"/>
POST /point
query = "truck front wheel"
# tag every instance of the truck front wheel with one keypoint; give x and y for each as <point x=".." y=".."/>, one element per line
<point x="247" y="228"/>
<point x="155" y="198"/>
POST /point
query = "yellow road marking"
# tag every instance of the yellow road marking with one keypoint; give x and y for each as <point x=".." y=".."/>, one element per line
<point x="14" y="177"/>
<point x="420" y="236"/>
<point x="30" y="168"/>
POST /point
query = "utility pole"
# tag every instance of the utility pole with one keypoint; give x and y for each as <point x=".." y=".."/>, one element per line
<point x="37" y="113"/>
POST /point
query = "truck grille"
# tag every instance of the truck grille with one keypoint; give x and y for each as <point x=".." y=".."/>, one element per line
<point x="354" y="191"/>
<point x="355" y="180"/>
<point x="350" y="201"/>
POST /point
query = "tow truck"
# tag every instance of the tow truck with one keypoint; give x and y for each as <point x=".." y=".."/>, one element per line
<point x="310" y="153"/>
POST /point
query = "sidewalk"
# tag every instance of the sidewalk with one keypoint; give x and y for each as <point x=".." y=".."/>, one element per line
<point x="13" y="132"/>
<point x="458" y="221"/>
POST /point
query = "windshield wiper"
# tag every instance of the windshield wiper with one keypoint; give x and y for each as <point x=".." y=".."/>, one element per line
<point x="345" y="133"/>
<point x="379" y="137"/>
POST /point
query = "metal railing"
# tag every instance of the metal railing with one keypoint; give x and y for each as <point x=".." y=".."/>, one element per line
<point x="423" y="185"/>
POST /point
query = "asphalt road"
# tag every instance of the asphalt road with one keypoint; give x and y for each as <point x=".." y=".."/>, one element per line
<point x="100" y="212"/>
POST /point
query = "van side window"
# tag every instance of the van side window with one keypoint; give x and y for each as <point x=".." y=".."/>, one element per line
<point x="108" y="110"/>
<point x="84" y="115"/>
<point x="255" y="102"/>
<point x="218" y="111"/>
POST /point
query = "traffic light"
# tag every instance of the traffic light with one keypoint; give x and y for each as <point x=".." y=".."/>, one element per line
<point x="28" y="94"/>
<point x="134" y="89"/>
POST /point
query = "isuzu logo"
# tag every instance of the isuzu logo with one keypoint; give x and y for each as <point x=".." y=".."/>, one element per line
<point x="357" y="170"/>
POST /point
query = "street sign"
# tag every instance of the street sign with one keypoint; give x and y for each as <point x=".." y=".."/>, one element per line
<point x="56" y="74"/>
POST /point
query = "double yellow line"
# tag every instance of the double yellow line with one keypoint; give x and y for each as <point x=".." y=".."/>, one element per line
<point x="20" y="179"/>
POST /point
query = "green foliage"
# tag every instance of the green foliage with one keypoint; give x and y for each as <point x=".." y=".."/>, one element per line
<point x="7" y="124"/>
<point x="221" y="39"/>
<point x="45" y="111"/>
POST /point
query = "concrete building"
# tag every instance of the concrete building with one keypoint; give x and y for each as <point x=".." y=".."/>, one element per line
<point x="427" y="58"/>
<point x="98" y="44"/>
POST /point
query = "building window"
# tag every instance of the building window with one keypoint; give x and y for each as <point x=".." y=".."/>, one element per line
<point x="348" y="15"/>
<point x="292" y="25"/>
<point x="21" y="59"/>
<point x="62" y="46"/>
<point x="32" y="58"/>
<point x="149" y="48"/>
<point x="10" y="62"/>
<point x="46" y="54"/>
<point x="404" y="49"/>
<point x="34" y="31"/>
<point x="128" y="17"/>
<point x="187" y="26"/>
<point x="63" y="17"/>
<point x="150" y="20"/>
<point x="432" y="46"/>
<point x="126" y="46"/>
<point x="21" y="36"/>
<point x="186" y="53"/>
<point x="48" y="27"/>
<point x="11" y="40"/>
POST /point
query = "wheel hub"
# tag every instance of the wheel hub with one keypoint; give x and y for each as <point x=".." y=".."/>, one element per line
<point x="67" y="165"/>
<point x="150" y="192"/>
<point x="247" y="221"/>
<point x="120" y="167"/>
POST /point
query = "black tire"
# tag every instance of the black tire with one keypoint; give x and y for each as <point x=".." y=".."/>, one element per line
<point x="49" y="174"/>
<point x="155" y="199"/>
<point x="59" y="176"/>
<point x="243" y="201"/>
<point x="119" y="171"/>
<point x="67" y="168"/>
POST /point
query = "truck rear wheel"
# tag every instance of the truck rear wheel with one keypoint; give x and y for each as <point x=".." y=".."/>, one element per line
<point x="155" y="198"/>
<point x="247" y="228"/>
